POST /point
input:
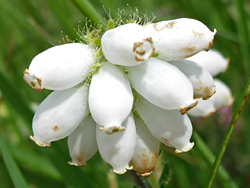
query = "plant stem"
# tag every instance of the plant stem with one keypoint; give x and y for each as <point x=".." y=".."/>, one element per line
<point x="88" y="10"/>
<point x="153" y="181"/>
<point x="229" y="134"/>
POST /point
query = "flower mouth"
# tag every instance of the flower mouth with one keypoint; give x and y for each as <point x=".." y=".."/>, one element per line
<point x="33" y="81"/>
<point x="144" y="50"/>
<point x="183" y="110"/>
<point x="39" y="143"/>
<point x="112" y="130"/>
<point x="210" y="94"/>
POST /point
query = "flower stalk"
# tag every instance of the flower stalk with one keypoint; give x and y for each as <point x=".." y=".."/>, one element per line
<point x="229" y="134"/>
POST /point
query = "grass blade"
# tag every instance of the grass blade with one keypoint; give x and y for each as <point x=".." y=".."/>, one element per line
<point x="13" y="169"/>
<point x="88" y="10"/>
<point x="229" y="133"/>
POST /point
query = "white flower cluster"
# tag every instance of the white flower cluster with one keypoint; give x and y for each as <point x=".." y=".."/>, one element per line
<point x="136" y="97"/>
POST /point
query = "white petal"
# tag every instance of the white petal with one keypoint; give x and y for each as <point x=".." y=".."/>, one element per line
<point x="82" y="142"/>
<point x="110" y="98"/>
<point x="163" y="85"/>
<point x="200" y="78"/>
<point x="178" y="39"/>
<point x="60" y="114"/>
<point x="146" y="151"/>
<point x="223" y="97"/>
<point x="205" y="108"/>
<point x="118" y="149"/>
<point x="212" y="61"/>
<point x="127" y="45"/>
<point x="60" y="67"/>
<point x="168" y="126"/>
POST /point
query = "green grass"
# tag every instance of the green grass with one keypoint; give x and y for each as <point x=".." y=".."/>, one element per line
<point x="29" y="27"/>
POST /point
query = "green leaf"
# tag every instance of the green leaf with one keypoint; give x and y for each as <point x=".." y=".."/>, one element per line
<point x="13" y="169"/>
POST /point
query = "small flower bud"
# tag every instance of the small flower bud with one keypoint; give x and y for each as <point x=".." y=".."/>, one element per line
<point x="200" y="78"/>
<point x="163" y="85"/>
<point x="60" y="67"/>
<point x="212" y="61"/>
<point x="118" y="149"/>
<point x="178" y="39"/>
<point x="110" y="98"/>
<point x="127" y="45"/>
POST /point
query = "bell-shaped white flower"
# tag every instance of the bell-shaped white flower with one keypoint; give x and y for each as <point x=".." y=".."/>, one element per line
<point x="127" y="45"/>
<point x="181" y="38"/>
<point x="82" y="142"/>
<point x="60" y="67"/>
<point x="118" y="149"/>
<point x="168" y="126"/>
<point x="223" y="98"/>
<point x="146" y="151"/>
<point x="110" y="98"/>
<point x="200" y="78"/>
<point x="60" y="114"/>
<point x="212" y="61"/>
<point x="205" y="108"/>
<point x="163" y="85"/>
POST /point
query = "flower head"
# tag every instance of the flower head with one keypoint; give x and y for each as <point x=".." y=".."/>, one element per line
<point x="128" y="100"/>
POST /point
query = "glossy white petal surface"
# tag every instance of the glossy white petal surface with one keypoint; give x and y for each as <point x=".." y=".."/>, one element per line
<point x="82" y="142"/>
<point x="118" y="149"/>
<point x="212" y="61"/>
<point x="127" y="45"/>
<point x="146" y="151"/>
<point x="163" y="85"/>
<point x="110" y="98"/>
<point x="60" y="114"/>
<point x="168" y="126"/>
<point x="178" y="39"/>
<point x="60" y="67"/>
<point x="200" y="78"/>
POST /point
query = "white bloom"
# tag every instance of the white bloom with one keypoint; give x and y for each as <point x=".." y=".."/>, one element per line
<point x="110" y="98"/>
<point x="60" y="114"/>
<point x="89" y="81"/>
<point x="146" y="151"/>
<point x="127" y="45"/>
<point x="118" y="149"/>
<point x="222" y="98"/>
<point x="212" y="61"/>
<point x="168" y="126"/>
<point x="181" y="38"/>
<point x="200" y="78"/>
<point x="60" y="67"/>
<point x="163" y="85"/>
<point x="82" y="142"/>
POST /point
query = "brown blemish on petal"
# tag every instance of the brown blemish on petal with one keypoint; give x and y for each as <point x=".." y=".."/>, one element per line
<point x="36" y="81"/>
<point x="197" y="34"/>
<point x="169" y="25"/>
<point x="140" y="53"/>
<point x="55" y="128"/>
<point x="189" y="49"/>
<point x="165" y="141"/>
<point x="145" y="163"/>
<point x="183" y="110"/>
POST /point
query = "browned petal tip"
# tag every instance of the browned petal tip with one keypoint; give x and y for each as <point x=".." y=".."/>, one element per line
<point x="185" y="109"/>
<point x="39" y="143"/>
<point x="75" y="164"/>
<point x="210" y="94"/>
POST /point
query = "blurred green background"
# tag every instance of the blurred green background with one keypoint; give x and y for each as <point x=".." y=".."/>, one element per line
<point x="29" y="27"/>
